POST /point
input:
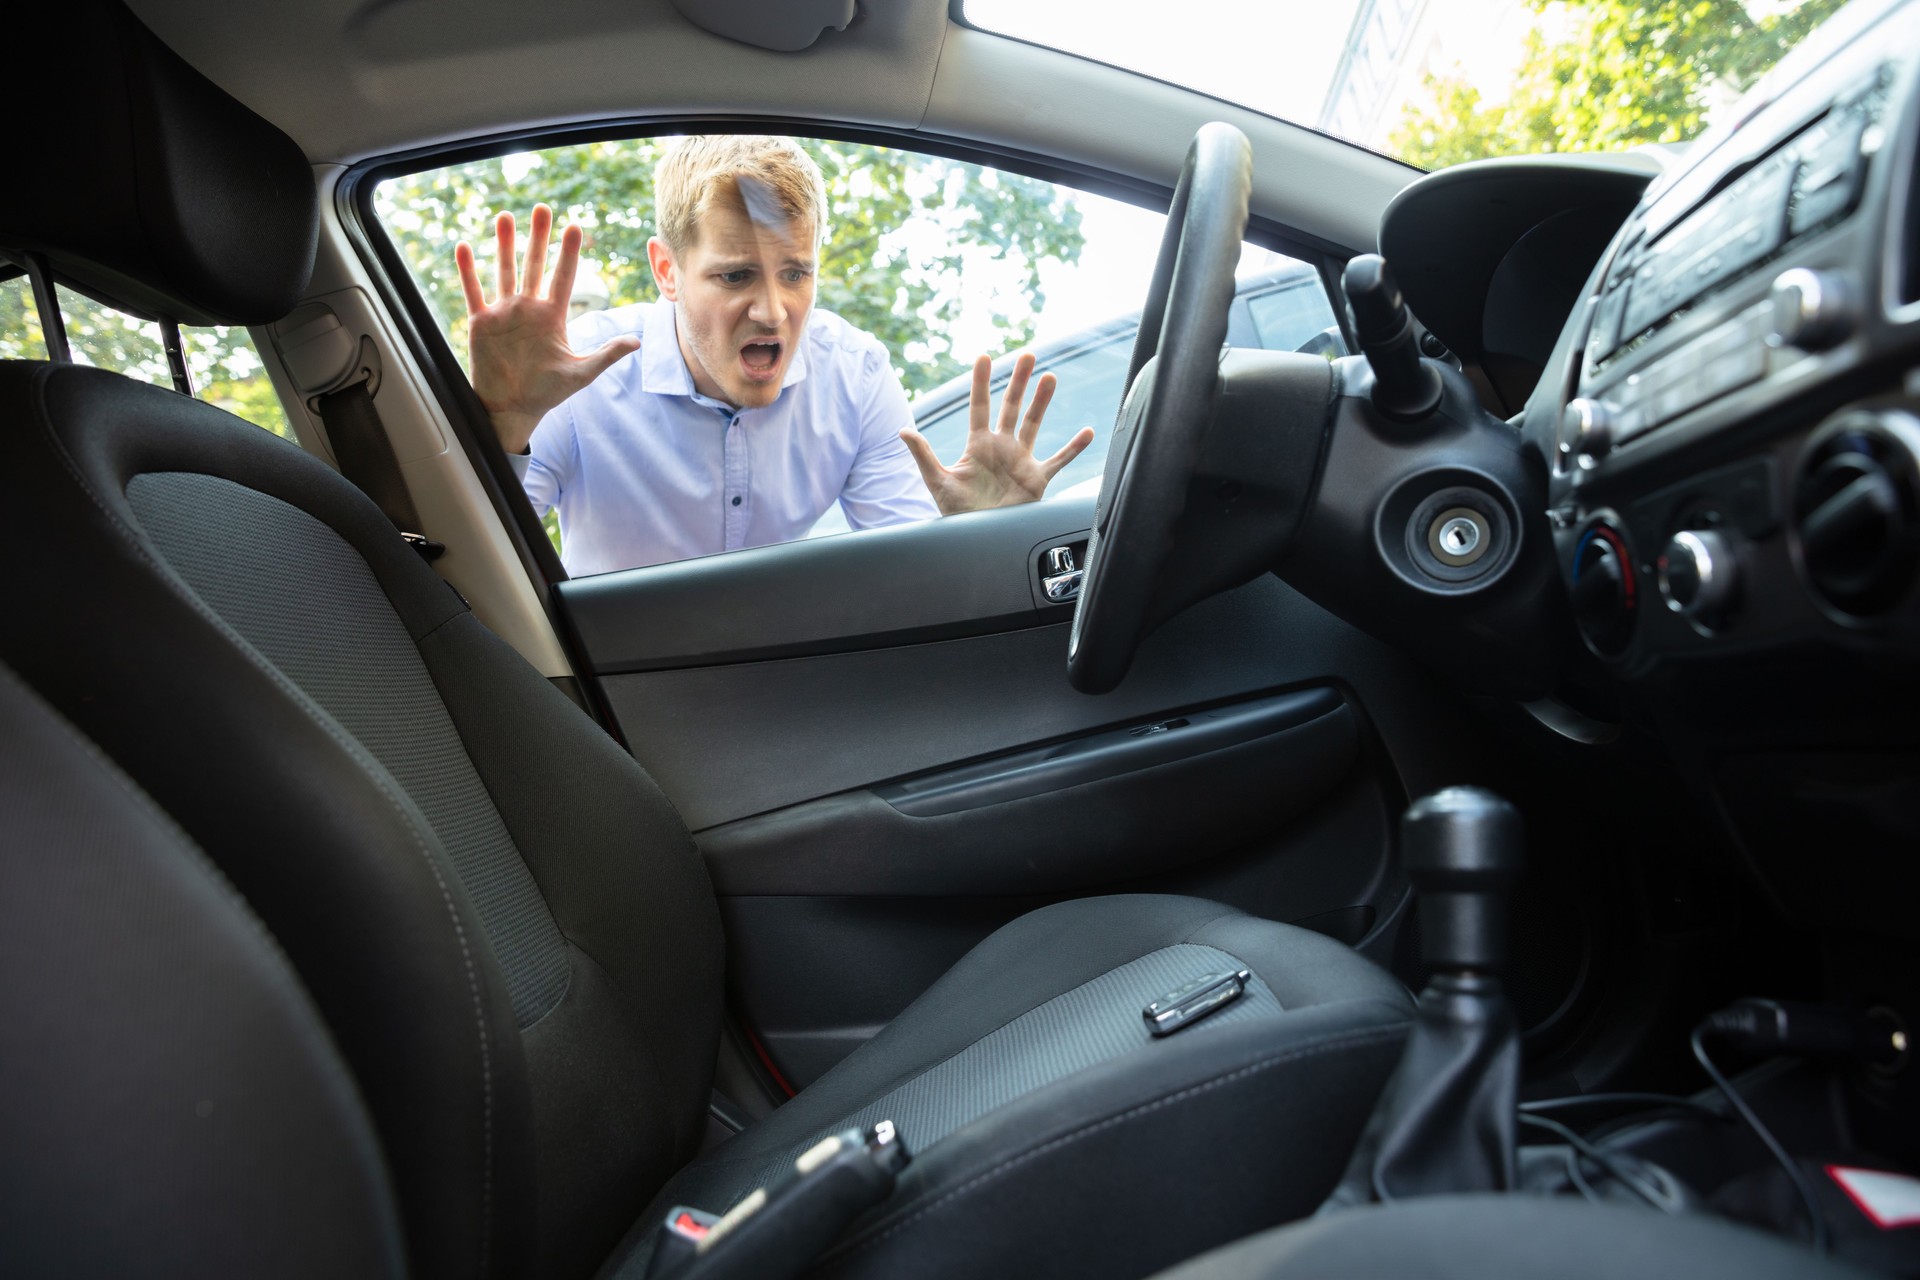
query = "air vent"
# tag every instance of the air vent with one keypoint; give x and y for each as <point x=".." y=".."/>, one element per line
<point x="1856" y="507"/>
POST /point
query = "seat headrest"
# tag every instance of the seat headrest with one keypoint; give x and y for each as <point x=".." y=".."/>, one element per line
<point x="146" y="184"/>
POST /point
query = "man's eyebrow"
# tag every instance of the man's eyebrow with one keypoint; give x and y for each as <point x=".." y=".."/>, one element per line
<point x="728" y="265"/>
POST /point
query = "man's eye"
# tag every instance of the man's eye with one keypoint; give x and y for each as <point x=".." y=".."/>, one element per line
<point x="734" y="277"/>
<point x="796" y="276"/>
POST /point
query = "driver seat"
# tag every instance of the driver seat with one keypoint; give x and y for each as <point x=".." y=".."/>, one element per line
<point x="501" y="919"/>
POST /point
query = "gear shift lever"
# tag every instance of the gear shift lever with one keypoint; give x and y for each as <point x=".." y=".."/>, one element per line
<point x="1462" y="850"/>
<point x="1446" y="1121"/>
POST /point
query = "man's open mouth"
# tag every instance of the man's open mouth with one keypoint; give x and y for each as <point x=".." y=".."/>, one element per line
<point x="761" y="357"/>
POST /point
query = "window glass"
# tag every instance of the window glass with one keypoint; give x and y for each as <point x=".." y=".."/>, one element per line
<point x="20" y="336"/>
<point x="226" y="368"/>
<point x="926" y="262"/>
<point x="1292" y="316"/>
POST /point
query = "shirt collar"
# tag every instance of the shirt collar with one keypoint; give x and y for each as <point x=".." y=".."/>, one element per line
<point x="664" y="371"/>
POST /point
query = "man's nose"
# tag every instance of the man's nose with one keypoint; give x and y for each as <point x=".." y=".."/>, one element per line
<point x="768" y="307"/>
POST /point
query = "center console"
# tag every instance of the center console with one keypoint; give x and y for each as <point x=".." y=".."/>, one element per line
<point x="1732" y="432"/>
<point x="1739" y="462"/>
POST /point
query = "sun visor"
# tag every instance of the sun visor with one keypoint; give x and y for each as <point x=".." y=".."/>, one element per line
<point x="786" y="26"/>
<point x="145" y="183"/>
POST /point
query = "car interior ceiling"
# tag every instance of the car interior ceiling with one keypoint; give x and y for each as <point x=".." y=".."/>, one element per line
<point x="1459" y="823"/>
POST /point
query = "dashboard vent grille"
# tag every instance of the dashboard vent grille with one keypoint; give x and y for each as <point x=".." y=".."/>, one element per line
<point x="1856" y="507"/>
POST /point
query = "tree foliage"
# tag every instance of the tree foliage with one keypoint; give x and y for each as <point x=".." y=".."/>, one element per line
<point x="903" y="230"/>
<point x="226" y="369"/>
<point x="1615" y="73"/>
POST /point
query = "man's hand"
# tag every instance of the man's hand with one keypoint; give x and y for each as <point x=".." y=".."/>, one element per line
<point x="997" y="468"/>
<point x="522" y="363"/>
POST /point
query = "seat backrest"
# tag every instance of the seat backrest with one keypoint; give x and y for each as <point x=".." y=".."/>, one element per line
<point x="502" y="920"/>
<point x="169" y="1101"/>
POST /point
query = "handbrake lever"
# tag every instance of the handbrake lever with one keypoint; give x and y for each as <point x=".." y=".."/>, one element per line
<point x="777" y="1231"/>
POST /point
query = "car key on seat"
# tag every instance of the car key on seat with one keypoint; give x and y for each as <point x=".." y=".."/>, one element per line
<point x="1194" y="1000"/>
<point x="779" y="1230"/>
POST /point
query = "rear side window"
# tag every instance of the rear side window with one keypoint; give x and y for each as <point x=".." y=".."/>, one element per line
<point x="226" y="368"/>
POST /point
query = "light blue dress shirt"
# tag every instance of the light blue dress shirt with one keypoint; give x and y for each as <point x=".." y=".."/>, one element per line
<point x="644" y="469"/>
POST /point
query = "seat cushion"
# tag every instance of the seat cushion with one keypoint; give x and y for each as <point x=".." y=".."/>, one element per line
<point x="1030" y="1092"/>
<point x="1489" y="1237"/>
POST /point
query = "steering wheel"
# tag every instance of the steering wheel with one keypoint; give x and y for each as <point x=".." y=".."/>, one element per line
<point x="1171" y="381"/>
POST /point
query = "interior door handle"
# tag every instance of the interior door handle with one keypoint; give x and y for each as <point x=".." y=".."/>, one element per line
<point x="1060" y="579"/>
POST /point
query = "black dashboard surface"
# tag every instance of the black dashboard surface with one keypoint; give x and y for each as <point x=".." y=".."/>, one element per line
<point x="1492" y="256"/>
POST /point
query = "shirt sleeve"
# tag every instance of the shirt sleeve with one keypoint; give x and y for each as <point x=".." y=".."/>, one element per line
<point x="546" y="467"/>
<point x="884" y="486"/>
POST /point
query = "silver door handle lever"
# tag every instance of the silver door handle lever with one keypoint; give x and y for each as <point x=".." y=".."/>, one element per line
<point x="1061" y="579"/>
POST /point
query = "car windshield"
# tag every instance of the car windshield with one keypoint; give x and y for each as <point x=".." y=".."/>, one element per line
<point x="1438" y="82"/>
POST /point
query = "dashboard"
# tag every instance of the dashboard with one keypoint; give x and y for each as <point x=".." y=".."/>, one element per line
<point x="1731" y="427"/>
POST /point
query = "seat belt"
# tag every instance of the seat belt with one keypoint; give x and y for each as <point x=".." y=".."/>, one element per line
<point x="366" y="457"/>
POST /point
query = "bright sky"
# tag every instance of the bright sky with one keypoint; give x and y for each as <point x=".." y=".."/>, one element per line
<point x="1271" y="55"/>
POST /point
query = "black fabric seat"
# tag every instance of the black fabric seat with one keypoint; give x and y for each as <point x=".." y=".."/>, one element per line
<point x="1516" y="1237"/>
<point x="502" y="920"/>
<point x="1054" y="1119"/>
<point x="170" y="1104"/>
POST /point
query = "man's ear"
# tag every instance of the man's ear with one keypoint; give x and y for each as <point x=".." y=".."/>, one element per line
<point x="666" y="273"/>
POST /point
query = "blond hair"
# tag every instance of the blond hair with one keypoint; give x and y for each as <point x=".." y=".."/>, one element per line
<point x="770" y="179"/>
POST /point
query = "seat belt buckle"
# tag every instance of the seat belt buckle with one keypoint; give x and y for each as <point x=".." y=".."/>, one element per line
<point x="1187" y="1004"/>
<point x="678" y="1239"/>
<point x="778" y="1230"/>
<point x="429" y="549"/>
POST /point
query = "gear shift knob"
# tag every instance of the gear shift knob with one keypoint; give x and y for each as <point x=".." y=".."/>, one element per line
<point x="1447" y="1121"/>
<point x="1462" y="850"/>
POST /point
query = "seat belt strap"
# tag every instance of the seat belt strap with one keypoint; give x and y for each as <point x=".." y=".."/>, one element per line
<point x="366" y="457"/>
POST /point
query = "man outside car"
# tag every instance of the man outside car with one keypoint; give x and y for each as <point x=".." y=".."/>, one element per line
<point x="744" y="412"/>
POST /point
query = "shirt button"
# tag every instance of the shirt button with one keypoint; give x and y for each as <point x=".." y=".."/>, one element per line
<point x="736" y="499"/>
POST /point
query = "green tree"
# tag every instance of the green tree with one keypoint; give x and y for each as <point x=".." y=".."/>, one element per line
<point x="1617" y="73"/>
<point x="226" y="369"/>
<point x="874" y="270"/>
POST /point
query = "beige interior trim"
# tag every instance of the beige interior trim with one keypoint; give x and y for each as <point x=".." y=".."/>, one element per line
<point x="480" y="561"/>
<point x="352" y="80"/>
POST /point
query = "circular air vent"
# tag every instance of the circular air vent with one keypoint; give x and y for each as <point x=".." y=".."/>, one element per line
<point x="1856" y="509"/>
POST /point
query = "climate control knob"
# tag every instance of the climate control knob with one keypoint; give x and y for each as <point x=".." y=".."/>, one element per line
<point x="1699" y="576"/>
<point x="1605" y="593"/>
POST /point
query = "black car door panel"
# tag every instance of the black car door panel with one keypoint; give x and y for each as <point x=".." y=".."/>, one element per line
<point x="1065" y="837"/>
<point x="883" y="718"/>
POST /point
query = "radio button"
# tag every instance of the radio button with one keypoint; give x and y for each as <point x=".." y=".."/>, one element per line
<point x="1587" y="429"/>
